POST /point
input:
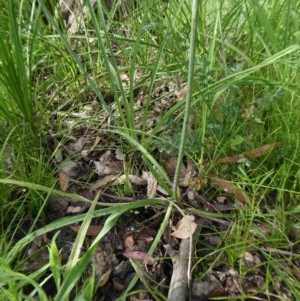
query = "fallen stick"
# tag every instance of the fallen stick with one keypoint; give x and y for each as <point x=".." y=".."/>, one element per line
<point x="181" y="264"/>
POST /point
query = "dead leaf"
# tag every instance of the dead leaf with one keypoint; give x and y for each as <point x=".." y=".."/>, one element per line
<point x="185" y="227"/>
<point x="161" y="190"/>
<point x="119" y="155"/>
<point x="138" y="240"/>
<point x="137" y="180"/>
<point x="101" y="169"/>
<point x="181" y="93"/>
<point x="93" y="230"/>
<point x="117" y="283"/>
<point x="146" y="234"/>
<point x="104" y="279"/>
<point x="260" y="151"/>
<point x="129" y="241"/>
<point x="103" y="182"/>
<point x="74" y="209"/>
<point x="74" y="170"/>
<point x="222" y="199"/>
<point x="187" y="174"/>
<point x="85" y="192"/>
<point x="63" y="181"/>
<point x="58" y="205"/>
<point x="80" y="144"/>
<point x="141" y="256"/>
<point x="151" y="184"/>
<point x="256" y="153"/>
<point x="230" y="188"/>
<point x="170" y="166"/>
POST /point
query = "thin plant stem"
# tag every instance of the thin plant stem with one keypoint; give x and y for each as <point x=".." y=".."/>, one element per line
<point x="193" y="38"/>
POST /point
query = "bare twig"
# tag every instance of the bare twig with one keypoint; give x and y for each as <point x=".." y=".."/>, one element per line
<point x="181" y="268"/>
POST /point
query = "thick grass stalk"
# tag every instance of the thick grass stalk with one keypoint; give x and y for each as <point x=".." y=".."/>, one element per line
<point x="192" y="49"/>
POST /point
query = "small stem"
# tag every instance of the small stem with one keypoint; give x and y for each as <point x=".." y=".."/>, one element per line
<point x="188" y="97"/>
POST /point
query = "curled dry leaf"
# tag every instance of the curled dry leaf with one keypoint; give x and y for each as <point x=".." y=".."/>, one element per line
<point x="185" y="227"/>
<point x="151" y="184"/>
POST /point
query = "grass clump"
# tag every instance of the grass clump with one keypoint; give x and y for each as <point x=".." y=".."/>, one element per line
<point x="156" y="83"/>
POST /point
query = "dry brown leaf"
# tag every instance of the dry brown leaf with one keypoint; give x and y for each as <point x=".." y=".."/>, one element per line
<point x="93" y="230"/>
<point x="185" y="227"/>
<point x="186" y="174"/>
<point x="104" y="279"/>
<point x="260" y="151"/>
<point x="256" y="153"/>
<point x="170" y="166"/>
<point x="137" y="180"/>
<point x="229" y="188"/>
<point x="63" y="181"/>
<point x="144" y="257"/>
<point x="146" y="233"/>
<point x="85" y="192"/>
<point x="129" y="242"/>
<point x="103" y="182"/>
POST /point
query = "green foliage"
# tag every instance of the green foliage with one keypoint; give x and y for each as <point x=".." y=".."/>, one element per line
<point x="243" y="93"/>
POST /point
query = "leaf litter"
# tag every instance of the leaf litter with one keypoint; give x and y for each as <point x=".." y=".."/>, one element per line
<point x="91" y="161"/>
